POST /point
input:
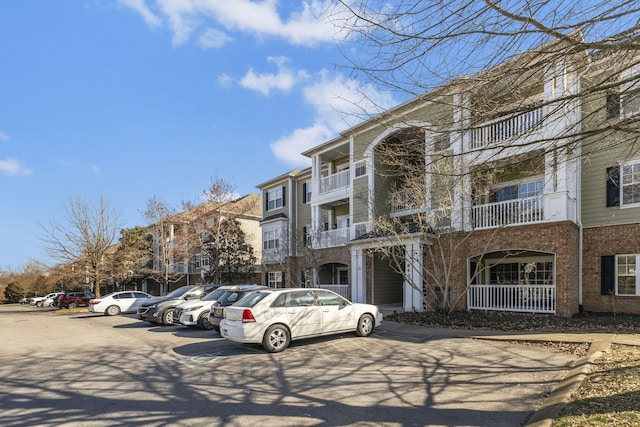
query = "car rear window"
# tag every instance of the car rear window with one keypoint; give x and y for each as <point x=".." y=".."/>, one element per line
<point x="252" y="299"/>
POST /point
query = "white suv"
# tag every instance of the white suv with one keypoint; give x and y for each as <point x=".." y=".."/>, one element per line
<point x="196" y="313"/>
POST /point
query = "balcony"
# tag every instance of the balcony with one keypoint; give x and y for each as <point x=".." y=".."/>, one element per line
<point x="408" y="200"/>
<point x="521" y="298"/>
<point x="509" y="212"/>
<point x="504" y="129"/>
<point x="329" y="238"/>
<point x="335" y="181"/>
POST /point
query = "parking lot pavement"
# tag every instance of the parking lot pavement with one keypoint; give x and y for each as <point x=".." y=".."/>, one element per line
<point x="82" y="369"/>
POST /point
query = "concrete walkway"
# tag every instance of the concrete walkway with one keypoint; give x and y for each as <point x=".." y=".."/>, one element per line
<point x="560" y="396"/>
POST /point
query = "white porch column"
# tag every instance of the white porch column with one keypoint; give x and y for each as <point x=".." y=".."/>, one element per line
<point x="358" y="276"/>
<point x="414" y="268"/>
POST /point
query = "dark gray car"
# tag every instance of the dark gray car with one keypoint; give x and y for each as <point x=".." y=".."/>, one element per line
<point x="159" y="310"/>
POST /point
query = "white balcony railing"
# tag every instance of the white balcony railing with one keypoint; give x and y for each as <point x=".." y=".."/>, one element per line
<point x="509" y="212"/>
<point x="408" y="199"/>
<point x="335" y="181"/>
<point x="524" y="298"/>
<point x="328" y="239"/>
<point x="503" y="129"/>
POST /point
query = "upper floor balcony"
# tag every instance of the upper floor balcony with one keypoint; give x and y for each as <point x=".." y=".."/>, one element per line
<point x="507" y="128"/>
<point x="336" y="237"/>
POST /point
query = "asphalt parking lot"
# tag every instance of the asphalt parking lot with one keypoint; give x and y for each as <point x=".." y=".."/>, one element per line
<point x="80" y="369"/>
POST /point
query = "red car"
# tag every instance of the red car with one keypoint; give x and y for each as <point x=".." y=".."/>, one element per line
<point x="75" y="299"/>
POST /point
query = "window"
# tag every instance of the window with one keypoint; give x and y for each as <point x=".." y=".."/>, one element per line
<point x="623" y="184"/>
<point x="361" y="168"/>
<point x="631" y="183"/>
<point x="517" y="191"/>
<point x="627" y="275"/>
<point x="306" y="192"/>
<point x="275" y="199"/>
<point x="523" y="273"/>
<point x="274" y="279"/>
<point x="270" y="240"/>
<point x="613" y="105"/>
<point x="630" y="91"/>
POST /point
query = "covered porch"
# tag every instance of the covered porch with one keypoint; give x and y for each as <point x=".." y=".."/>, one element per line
<point x="518" y="281"/>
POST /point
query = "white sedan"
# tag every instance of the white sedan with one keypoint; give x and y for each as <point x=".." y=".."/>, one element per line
<point x="274" y="317"/>
<point x="118" y="302"/>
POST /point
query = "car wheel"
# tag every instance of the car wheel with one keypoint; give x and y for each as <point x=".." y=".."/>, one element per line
<point x="365" y="325"/>
<point x="72" y="305"/>
<point x="203" y="321"/>
<point x="112" y="310"/>
<point x="167" y="317"/>
<point x="39" y="304"/>
<point x="276" y="338"/>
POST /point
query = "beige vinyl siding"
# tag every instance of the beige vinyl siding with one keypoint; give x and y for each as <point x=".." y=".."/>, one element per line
<point x="387" y="283"/>
<point x="360" y="196"/>
<point x="606" y="149"/>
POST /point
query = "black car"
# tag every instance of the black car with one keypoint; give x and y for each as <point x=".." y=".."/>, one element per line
<point x="159" y="310"/>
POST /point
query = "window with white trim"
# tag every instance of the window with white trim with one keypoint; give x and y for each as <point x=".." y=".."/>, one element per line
<point x="274" y="279"/>
<point x="630" y="91"/>
<point x="275" y="199"/>
<point x="270" y="239"/>
<point x="307" y="194"/>
<point x="627" y="275"/>
<point x="630" y="183"/>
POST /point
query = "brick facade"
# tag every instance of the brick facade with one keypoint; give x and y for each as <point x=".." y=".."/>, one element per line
<point x="560" y="239"/>
<point x="602" y="241"/>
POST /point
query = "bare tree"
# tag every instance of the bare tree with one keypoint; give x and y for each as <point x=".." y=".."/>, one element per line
<point x="171" y="243"/>
<point x="82" y="238"/>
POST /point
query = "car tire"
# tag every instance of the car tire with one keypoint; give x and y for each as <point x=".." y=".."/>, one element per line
<point x="112" y="310"/>
<point x="203" y="322"/>
<point x="72" y="305"/>
<point x="276" y="338"/>
<point x="167" y="317"/>
<point x="39" y="304"/>
<point x="365" y="325"/>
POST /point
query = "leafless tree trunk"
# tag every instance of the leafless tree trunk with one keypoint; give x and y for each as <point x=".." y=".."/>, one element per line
<point x="82" y="238"/>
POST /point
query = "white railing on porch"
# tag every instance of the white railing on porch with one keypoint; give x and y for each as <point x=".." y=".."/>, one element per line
<point x="508" y="212"/>
<point x="335" y="181"/>
<point x="503" y="129"/>
<point x="328" y="239"/>
<point x="524" y="298"/>
<point x="338" y="289"/>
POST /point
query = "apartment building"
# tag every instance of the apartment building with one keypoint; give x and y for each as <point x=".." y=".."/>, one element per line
<point x="178" y="241"/>
<point x="514" y="190"/>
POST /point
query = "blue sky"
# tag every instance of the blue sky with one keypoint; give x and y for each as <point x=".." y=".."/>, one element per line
<point x="131" y="99"/>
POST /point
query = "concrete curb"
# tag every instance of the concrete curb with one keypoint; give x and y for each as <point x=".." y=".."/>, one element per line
<point x="561" y="394"/>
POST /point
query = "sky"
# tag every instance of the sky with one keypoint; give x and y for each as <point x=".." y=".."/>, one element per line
<point x="133" y="99"/>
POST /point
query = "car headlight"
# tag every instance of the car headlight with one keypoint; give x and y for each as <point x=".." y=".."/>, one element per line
<point x="197" y="307"/>
<point x="152" y="306"/>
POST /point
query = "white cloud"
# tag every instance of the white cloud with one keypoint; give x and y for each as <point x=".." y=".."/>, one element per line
<point x="309" y="26"/>
<point x="213" y="39"/>
<point x="284" y="80"/>
<point x="225" y="80"/>
<point x="4" y="136"/>
<point x="339" y="104"/>
<point x="140" y="6"/>
<point x="13" y="167"/>
<point x="96" y="169"/>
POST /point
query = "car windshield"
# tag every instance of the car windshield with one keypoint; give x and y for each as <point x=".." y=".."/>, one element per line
<point x="215" y="295"/>
<point x="178" y="292"/>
